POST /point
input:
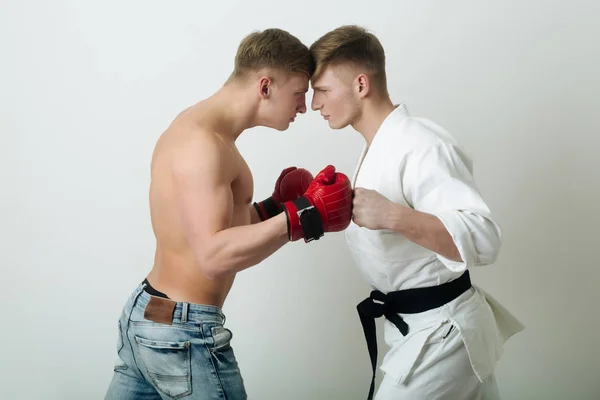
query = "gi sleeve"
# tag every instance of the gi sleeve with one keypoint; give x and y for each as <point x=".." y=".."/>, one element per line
<point x="437" y="179"/>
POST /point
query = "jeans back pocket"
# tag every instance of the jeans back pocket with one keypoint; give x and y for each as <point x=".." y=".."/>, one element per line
<point x="167" y="365"/>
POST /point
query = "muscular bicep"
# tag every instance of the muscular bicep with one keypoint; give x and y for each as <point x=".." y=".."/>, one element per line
<point x="204" y="195"/>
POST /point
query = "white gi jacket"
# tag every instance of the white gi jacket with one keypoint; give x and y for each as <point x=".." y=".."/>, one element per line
<point x="416" y="163"/>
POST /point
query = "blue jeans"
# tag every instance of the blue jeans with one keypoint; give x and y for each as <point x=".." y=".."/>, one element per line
<point x="186" y="355"/>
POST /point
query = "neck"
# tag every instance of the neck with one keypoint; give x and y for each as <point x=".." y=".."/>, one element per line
<point x="374" y="112"/>
<point x="233" y="110"/>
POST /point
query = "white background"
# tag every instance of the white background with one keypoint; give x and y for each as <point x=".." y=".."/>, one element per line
<point x="87" y="87"/>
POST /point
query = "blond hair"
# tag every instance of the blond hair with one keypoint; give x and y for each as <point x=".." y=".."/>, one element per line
<point x="354" y="45"/>
<point x="275" y="49"/>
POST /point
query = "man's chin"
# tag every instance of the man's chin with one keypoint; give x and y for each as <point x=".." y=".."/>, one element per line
<point x="336" y="126"/>
<point x="279" y="126"/>
<point x="283" y="127"/>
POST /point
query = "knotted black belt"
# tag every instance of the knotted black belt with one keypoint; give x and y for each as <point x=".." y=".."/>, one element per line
<point x="408" y="301"/>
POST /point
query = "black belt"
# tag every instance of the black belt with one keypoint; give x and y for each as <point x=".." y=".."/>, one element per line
<point x="409" y="301"/>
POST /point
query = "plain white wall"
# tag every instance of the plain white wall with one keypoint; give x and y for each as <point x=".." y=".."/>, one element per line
<point x="87" y="88"/>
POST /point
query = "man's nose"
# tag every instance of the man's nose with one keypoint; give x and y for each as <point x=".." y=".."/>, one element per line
<point x="301" y="107"/>
<point x="315" y="105"/>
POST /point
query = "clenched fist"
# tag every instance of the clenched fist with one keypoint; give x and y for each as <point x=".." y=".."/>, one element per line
<point x="372" y="210"/>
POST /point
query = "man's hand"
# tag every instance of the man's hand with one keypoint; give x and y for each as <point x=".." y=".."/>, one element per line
<point x="371" y="209"/>
<point x="290" y="185"/>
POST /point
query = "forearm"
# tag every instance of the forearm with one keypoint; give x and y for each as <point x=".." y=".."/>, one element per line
<point x="424" y="229"/>
<point x="235" y="249"/>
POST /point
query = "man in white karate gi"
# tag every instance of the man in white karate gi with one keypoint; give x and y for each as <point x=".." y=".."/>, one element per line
<point x="419" y="225"/>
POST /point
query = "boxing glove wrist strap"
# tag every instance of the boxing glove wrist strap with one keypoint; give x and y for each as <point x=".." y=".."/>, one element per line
<point x="267" y="208"/>
<point x="310" y="219"/>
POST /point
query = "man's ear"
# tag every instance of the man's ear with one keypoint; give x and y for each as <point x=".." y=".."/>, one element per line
<point x="264" y="86"/>
<point x="363" y="85"/>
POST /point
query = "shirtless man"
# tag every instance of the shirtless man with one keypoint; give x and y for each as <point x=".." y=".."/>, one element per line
<point x="172" y="342"/>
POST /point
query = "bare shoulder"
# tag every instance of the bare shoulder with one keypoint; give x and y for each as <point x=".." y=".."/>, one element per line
<point x="185" y="147"/>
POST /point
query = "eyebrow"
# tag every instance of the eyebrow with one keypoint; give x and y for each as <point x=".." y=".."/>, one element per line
<point x="319" y="87"/>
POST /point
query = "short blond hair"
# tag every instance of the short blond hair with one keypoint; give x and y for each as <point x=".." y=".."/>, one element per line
<point x="354" y="45"/>
<point x="272" y="48"/>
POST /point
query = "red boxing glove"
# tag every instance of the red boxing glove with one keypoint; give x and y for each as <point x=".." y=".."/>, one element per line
<point x="290" y="185"/>
<point x="325" y="207"/>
